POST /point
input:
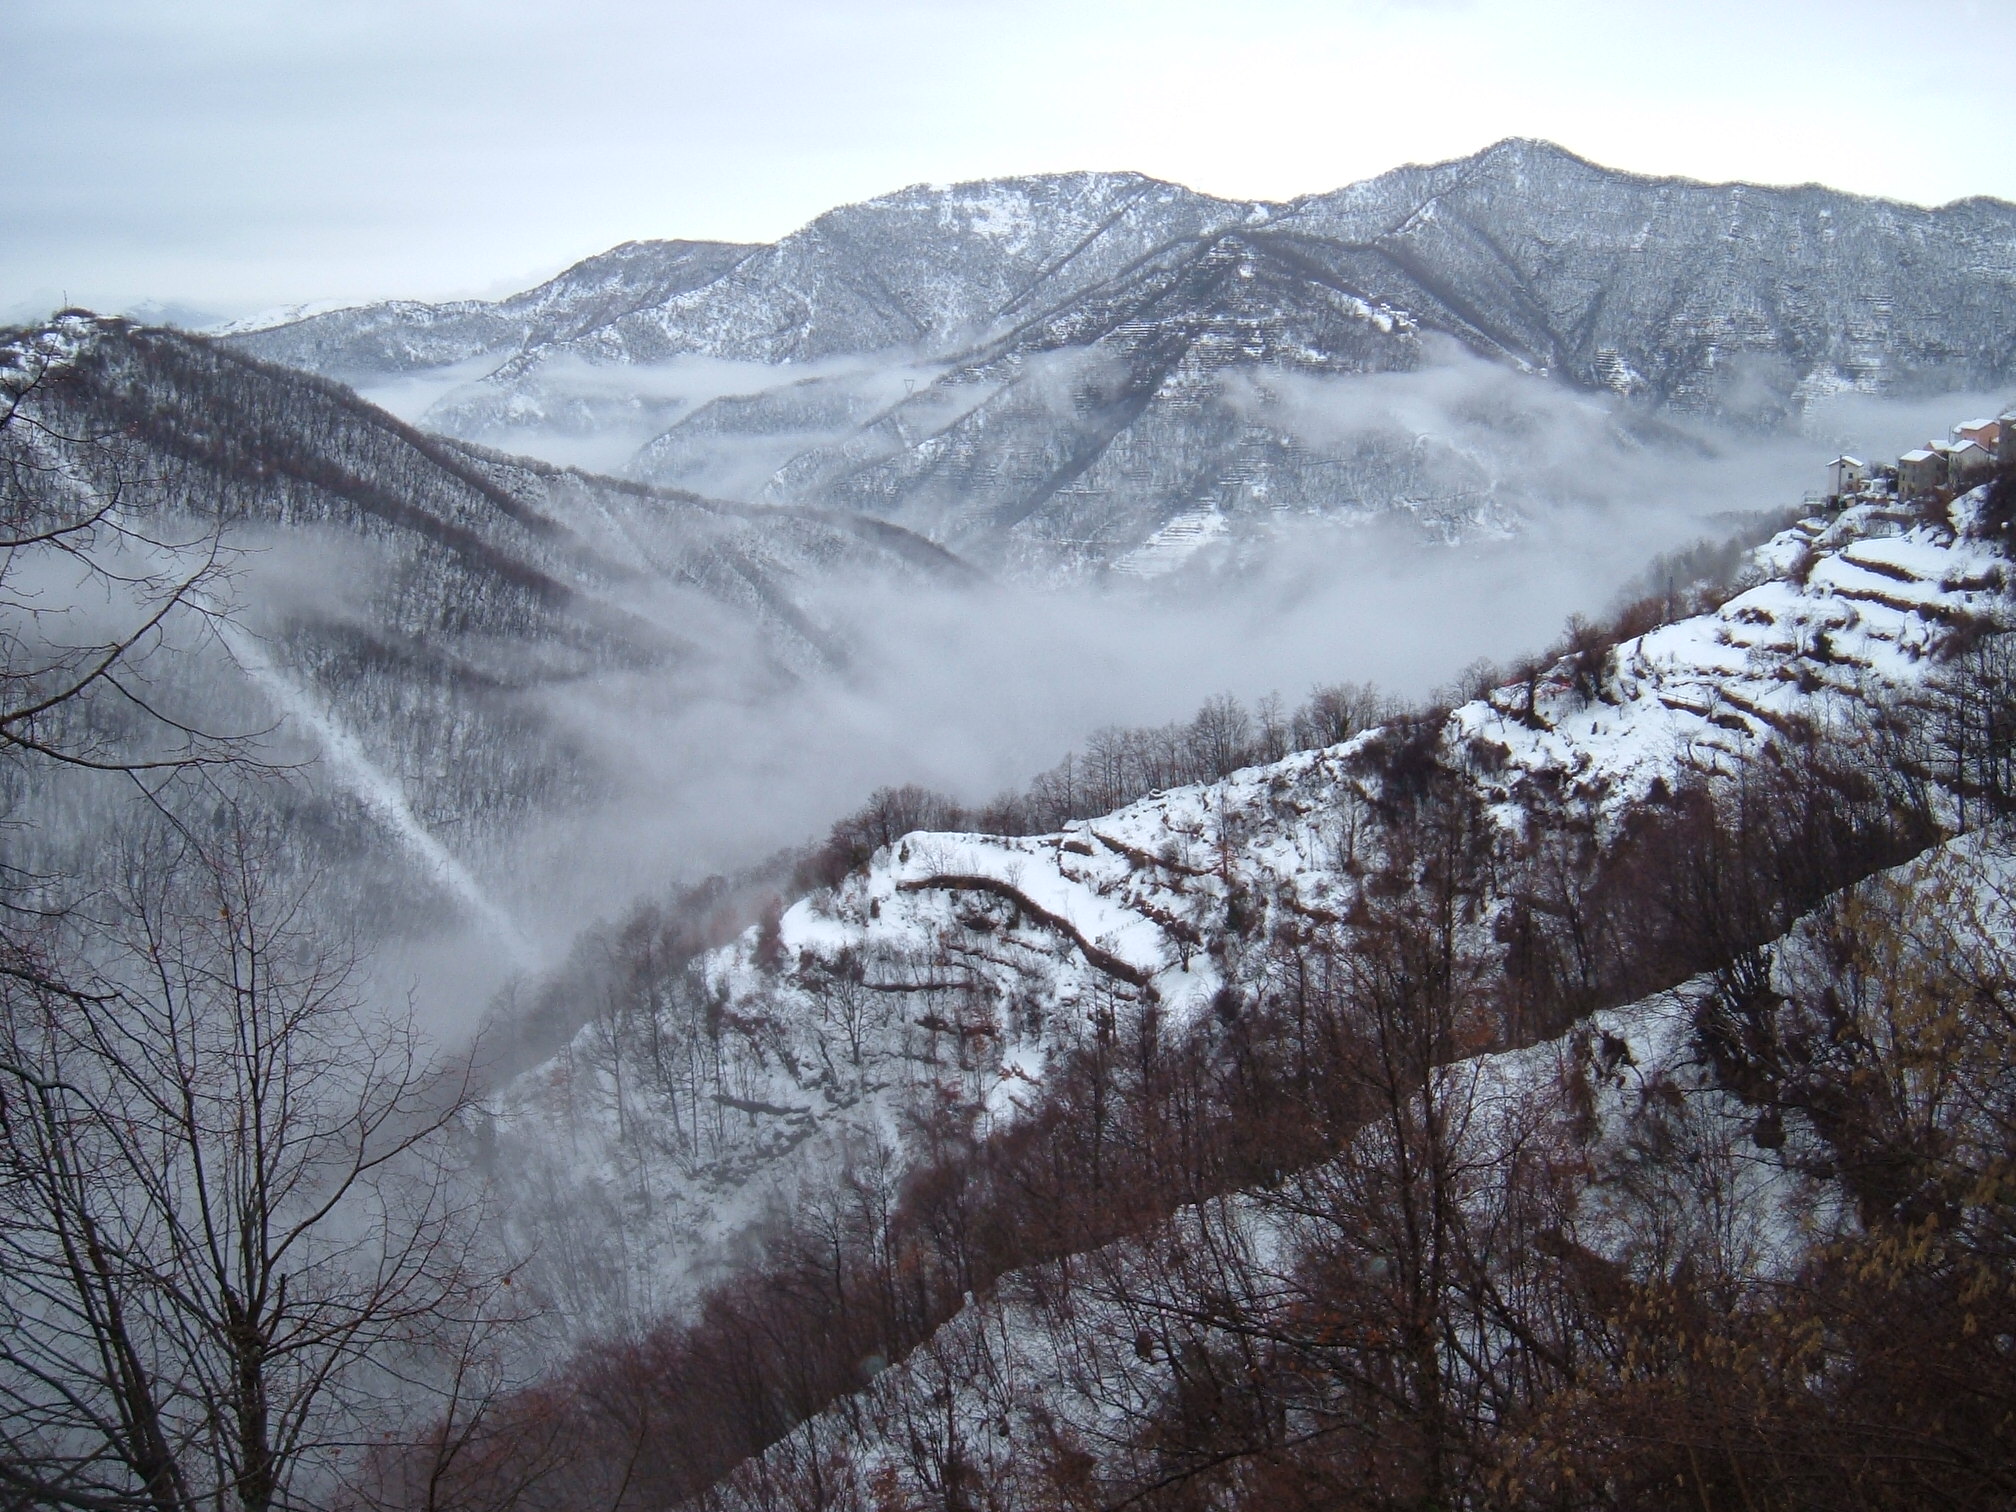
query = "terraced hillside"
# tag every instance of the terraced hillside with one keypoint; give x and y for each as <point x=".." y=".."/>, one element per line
<point x="951" y="971"/>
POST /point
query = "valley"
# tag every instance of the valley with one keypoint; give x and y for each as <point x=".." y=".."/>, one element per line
<point x="694" y="888"/>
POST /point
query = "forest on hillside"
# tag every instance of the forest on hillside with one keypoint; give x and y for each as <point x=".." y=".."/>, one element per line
<point x="1598" y="1157"/>
<point x="1656" y="1162"/>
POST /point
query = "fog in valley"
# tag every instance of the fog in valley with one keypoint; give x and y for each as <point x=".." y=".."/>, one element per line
<point x="832" y="755"/>
<point x="968" y="685"/>
<point x="973" y="690"/>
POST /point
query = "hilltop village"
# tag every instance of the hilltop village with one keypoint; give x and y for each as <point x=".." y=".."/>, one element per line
<point x="1969" y="456"/>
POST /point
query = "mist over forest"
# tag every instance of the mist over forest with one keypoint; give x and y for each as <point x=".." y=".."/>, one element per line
<point x="972" y="690"/>
<point x="1056" y="844"/>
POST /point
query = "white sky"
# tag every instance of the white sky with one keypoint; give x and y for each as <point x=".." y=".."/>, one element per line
<point x="234" y="154"/>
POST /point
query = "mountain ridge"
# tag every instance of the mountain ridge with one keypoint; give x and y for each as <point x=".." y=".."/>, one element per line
<point x="922" y="1159"/>
<point x="1045" y="372"/>
<point x="453" y="612"/>
<point x="1512" y="145"/>
<point x="958" y="964"/>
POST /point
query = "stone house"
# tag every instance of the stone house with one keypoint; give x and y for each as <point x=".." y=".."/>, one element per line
<point x="1967" y="464"/>
<point x="1919" y="472"/>
<point x="1846" y="475"/>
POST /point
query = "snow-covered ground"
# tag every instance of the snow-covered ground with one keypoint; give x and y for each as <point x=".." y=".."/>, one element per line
<point x="1175" y="543"/>
<point x="649" y="1157"/>
<point x="1063" y="1367"/>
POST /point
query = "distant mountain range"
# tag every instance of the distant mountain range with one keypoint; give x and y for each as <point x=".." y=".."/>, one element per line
<point x="1079" y="372"/>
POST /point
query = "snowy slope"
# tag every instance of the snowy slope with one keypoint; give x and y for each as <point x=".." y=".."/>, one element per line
<point x="1061" y="1370"/>
<point x="402" y="335"/>
<point x="1851" y="605"/>
<point x="951" y="969"/>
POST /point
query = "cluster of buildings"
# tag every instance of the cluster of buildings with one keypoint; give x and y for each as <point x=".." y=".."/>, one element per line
<point x="1971" y="454"/>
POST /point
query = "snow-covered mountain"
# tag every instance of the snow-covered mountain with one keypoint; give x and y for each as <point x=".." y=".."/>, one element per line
<point x="1073" y="1370"/>
<point x="988" y="1163"/>
<point x="943" y="978"/>
<point x="822" y="1156"/>
<point x="1046" y="372"/>
<point x="405" y="334"/>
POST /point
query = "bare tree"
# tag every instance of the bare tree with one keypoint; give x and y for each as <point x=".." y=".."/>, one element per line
<point x="1337" y="711"/>
<point x="95" y="578"/>
<point x="228" y="1226"/>
<point x="1220" y="738"/>
<point x="230" y="1237"/>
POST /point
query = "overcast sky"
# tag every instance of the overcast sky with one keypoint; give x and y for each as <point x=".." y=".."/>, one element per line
<point x="235" y="154"/>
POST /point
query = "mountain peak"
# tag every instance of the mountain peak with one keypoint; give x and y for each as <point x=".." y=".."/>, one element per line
<point x="1523" y="149"/>
<point x="994" y="207"/>
<point x="1099" y="309"/>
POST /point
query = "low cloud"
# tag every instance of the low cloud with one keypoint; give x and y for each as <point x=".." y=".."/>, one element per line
<point x="574" y="412"/>
<point x="973" y="690"/>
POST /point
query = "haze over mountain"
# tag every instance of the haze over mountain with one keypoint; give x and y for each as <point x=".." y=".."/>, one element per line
<point x="1074" y="374"/>
<point x="1092" y="377"/>
<point x="1269" y="1102"/>
<point x="491" y="667"/>
<point x="1000" y="1145"/>
<point x="465" y="647"/>
<point x="946" y="965"/>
